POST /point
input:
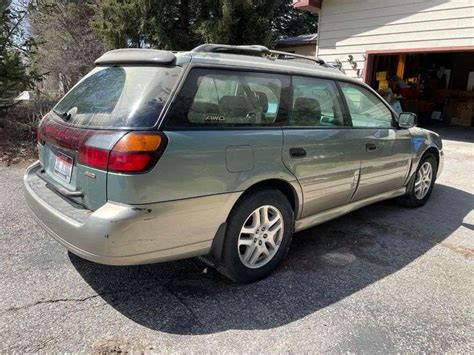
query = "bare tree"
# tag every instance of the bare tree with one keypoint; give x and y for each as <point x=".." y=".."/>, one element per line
<point x="67" y="44"/>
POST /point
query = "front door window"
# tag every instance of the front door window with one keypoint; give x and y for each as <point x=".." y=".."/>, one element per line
<point x="365" y="108"/>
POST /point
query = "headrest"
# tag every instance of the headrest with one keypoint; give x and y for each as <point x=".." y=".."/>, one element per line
<point x="262" y="100"/>
<point x="204" y="107"/>
<point x="307" y="104"/>
<point x="235" y="106"/>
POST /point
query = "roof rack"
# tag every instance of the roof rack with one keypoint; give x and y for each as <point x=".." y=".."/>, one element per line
<point x="252" y="50"/>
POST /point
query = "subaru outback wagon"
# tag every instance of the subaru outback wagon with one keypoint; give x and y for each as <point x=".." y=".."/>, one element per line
<point x="221" y="152"/>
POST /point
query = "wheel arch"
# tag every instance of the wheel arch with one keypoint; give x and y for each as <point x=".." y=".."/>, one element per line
<point x="433" y="150"/>
<point x="285" y="187"/>
<point x="419" y="155"/>
<point x="292" y="192"/>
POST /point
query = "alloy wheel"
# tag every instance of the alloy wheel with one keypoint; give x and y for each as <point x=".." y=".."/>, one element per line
<point x="423" y="180"/>
<point x="260" y="236"/>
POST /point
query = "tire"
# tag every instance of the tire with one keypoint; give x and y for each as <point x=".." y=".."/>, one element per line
<point x="414" y="198"/>
<point x="272" y="244"/>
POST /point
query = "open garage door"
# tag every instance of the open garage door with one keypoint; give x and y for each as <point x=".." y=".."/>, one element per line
<point x="436" y="84"/>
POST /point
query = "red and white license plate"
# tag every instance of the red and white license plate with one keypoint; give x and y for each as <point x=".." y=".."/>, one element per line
<point x="63" y="166"/>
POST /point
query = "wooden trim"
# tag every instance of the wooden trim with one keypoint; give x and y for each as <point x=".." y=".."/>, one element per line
<point x="401" y="65"/>
<point x="422" y="50"/>
<point x="367" y="73"/>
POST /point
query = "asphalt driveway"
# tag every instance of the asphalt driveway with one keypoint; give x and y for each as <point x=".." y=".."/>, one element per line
<point x="381" y="279"/>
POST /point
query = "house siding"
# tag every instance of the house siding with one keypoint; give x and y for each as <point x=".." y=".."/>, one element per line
<point x="355" y="27"/>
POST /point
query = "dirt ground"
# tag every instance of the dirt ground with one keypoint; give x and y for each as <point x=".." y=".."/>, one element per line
<point x="17" y="143"/>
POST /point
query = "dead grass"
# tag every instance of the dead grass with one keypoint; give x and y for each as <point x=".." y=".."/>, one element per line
<point x="17" y="142"/>
<point x="18" y="126"/>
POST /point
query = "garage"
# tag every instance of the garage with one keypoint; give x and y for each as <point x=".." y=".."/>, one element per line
<point x="436" y="85"/>
<point x="417" y="54"/>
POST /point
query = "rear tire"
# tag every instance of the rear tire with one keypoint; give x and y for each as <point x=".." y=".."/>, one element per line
<point x="421" y="184"/>
<point x="258" y="236"/>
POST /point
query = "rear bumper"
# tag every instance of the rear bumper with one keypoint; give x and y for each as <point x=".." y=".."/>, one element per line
<point x="119" y="234"/>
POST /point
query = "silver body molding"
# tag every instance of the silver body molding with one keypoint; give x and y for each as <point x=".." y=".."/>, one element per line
<point x="119" y="234"/>
<point x="333" y="213"/>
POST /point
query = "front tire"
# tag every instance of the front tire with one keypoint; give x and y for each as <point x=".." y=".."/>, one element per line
<point x="421" y="185"/>
<point x="258" y="236"/>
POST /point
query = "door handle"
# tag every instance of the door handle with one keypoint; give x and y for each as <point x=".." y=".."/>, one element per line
<point x="370" y="147"/>
<point x="297" y="152"/>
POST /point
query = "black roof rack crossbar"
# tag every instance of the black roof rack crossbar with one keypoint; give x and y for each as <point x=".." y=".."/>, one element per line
<point x="251" y="49"/>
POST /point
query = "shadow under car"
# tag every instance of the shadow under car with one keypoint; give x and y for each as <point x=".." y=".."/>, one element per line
<point x="325" y="264"/>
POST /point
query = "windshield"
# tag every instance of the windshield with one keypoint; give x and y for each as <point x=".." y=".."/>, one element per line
<point x="113" y="97"/>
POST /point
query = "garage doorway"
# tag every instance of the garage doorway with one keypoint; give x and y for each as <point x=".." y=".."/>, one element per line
<point x="436" y="84"/>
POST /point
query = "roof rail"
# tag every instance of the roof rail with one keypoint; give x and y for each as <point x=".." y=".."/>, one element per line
<point x="252" y="50"/>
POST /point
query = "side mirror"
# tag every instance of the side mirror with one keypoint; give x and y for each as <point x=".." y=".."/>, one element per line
<point x="407" y="120"/>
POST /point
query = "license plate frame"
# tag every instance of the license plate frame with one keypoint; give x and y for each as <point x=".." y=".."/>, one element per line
<point x="63" y="166"/>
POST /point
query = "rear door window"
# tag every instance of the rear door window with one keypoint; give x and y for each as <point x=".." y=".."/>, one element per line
<point x="315" y="103"/>
<point x="228" y="98"/>
<point x="113" y="97"/>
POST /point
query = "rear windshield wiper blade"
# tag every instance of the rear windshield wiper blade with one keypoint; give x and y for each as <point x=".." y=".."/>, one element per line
<point x="66" y="116"/>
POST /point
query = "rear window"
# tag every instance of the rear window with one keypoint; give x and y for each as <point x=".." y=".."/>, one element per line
<point x="228" y="98"/>
<point x="113" y="97"/>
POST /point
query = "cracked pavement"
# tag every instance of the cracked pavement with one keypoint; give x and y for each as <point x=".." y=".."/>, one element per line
<point x="381" y="279"/>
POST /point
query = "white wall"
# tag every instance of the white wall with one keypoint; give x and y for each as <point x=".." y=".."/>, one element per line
<point x="353" y="27"/>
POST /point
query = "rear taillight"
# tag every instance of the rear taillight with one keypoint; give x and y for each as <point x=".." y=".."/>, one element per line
<point x="94" y="157"/>
<point x="117" y="151"/>
<point x="134" y="152"/>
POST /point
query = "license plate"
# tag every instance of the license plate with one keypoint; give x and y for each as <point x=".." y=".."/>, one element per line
<point x="63" y="167"/>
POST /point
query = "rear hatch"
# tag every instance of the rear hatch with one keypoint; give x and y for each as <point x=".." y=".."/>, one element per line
<point x="105" y="123"/>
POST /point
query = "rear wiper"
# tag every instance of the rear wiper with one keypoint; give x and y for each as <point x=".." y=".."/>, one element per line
<point x="66" y="116"/>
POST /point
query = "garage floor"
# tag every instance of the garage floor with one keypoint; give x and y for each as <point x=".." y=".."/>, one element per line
<point x="382" y="279"/>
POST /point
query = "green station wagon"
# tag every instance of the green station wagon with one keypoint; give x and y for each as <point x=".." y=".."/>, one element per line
<point x="222" y="152"/>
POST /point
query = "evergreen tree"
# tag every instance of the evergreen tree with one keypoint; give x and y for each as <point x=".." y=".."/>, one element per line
<point x="291" y="22"/>
<point x="183" y="24"/>
<point x="17" y="50"/>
